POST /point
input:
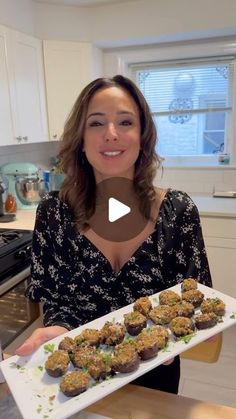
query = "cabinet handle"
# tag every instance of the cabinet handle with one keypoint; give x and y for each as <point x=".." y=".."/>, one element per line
<point x="25" y="138"/>
<point x="19" y="139"/>
<point x="54" y="136"/>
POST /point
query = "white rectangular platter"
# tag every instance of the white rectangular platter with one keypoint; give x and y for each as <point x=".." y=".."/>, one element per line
<point x="38" y="395"/>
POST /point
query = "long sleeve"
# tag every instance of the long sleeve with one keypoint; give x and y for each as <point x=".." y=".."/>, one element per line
<point x="45" y="272"/>
<point x="75" y="281"/>
<point x="189" y="258"/>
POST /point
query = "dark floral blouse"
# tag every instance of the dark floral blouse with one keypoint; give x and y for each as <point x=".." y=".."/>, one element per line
<point x="76" y="282"/>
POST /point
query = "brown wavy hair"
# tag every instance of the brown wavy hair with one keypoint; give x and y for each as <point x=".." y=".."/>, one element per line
<point x="79" y="187"/>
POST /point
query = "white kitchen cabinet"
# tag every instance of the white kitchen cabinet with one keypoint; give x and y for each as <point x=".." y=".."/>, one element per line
<point x="69" y="67"/>
<point x="22" y="89"/>
<point x="220" y="240"/>
<point x="27" y="91"/>
<point x="6" y="125"/>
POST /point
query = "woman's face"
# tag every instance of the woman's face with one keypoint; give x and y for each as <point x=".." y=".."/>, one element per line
<point x="112" y="133"/>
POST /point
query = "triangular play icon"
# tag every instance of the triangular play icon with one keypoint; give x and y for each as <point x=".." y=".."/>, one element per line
<point x="116" y="209"/>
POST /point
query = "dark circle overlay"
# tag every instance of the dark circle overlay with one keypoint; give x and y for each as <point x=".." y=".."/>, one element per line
<point x="126" y="227"/>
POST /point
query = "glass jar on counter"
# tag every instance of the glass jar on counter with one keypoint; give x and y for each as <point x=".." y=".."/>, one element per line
<point x="224" y="159"/>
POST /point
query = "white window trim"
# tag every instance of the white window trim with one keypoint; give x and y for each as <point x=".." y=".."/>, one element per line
<point x="123" y="58"/>
<point x="204" y="99"/>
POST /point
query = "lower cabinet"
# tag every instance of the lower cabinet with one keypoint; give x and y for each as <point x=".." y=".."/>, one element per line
<point x="220" y="240"/>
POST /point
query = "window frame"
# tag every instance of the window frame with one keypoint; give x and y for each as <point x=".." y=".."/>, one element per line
<point x="126" y="57"/>
<point x="196" y="159"/>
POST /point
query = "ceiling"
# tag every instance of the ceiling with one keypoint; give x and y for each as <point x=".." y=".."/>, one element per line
<point x="81" y="3"/>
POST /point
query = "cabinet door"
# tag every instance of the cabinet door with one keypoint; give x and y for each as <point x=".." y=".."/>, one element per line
<point x="220" y="240"/>
<point x="6" y="127"/>
<point x="221" y="255"/>
<point x="69" y="66"/>
<point x="27" y="87"/>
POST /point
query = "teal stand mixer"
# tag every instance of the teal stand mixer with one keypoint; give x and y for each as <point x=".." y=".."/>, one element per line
<point x="23" y="183"/>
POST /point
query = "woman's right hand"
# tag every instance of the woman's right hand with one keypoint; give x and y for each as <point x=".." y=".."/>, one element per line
<point x="38" y="337"/>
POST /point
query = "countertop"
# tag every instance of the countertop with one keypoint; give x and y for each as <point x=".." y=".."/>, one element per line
<point x="210" y="206"/>
<point x="207" y="206"/>
<point x="24" y="220"/>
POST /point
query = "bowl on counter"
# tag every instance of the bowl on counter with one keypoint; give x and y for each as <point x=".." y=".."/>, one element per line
<point x="29" y="190"/>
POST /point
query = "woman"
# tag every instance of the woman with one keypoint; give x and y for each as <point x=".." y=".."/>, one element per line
<point x="80" y="276"/>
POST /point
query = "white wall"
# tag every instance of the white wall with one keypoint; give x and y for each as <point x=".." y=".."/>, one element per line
<point x="137" y="22"/>
<point x="192" y="180"/>
<point x="18" y="14"/>
<point x="146" y="21"/>
<point x="134" y="22"/>
<point x="37" y="153"/>
<point x="62" y="23"/>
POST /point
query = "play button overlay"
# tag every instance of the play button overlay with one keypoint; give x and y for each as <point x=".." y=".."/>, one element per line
<point x="116" y="210"/>
<point x="117" y="215"/>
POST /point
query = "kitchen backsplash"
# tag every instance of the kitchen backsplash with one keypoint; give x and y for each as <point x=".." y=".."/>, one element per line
<point x="198" y="180"/>
<point x="192" y="180"/>
<point x="37" y="153"/>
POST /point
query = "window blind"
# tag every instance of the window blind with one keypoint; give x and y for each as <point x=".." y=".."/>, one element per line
<point x="186" y="86"/>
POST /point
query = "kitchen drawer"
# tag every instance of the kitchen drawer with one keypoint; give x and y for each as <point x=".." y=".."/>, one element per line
<point x="220" y="242"/>
<point x="219" y="227"/>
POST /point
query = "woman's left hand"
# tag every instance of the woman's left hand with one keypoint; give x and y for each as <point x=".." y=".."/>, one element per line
<point x="169" y="361"/>
<point x="38" y="337"/>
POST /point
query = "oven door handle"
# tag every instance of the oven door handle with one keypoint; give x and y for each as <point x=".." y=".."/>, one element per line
<point x="16" y="279"/>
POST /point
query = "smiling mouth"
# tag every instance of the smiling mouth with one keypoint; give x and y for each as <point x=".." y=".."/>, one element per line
<point x="112" y="153"/>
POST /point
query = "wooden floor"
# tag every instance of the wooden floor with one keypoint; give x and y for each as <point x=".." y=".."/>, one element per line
<point x="214" y="383"/>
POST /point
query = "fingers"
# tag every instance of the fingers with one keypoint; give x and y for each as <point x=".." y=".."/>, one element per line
<point x="38" y="337"/>
<point x="27" y="348"/>
<point x="169" y="361"/>
<point x="212" y="339"/>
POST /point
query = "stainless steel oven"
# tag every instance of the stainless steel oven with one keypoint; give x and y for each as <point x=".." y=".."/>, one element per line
<point x="16" y="311"/>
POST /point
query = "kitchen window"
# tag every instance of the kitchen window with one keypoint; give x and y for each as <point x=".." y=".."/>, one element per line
<point x="191" y="102"/>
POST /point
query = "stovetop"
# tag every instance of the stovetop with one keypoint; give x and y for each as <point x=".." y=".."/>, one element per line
<point x="11" y="239"/>
<point x="8" y="236"/>
<point x="15" y="250"/>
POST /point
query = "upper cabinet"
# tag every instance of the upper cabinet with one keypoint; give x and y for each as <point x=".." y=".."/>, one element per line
<point x="69" y="67"/>
<point x="220" y="240"/>
<point x="22" y="80"/>
<point x="6" y="124"/>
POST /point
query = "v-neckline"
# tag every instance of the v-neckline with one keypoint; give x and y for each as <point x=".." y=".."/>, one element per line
<point x="145" y="241"/>
<point x="106" y="260"/>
